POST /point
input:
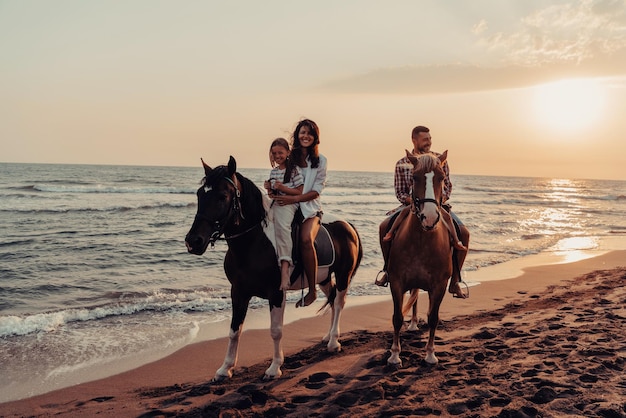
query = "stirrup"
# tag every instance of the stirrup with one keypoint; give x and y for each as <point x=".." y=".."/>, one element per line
<point x="466" y="293"/>
<point x="383" y="281"/>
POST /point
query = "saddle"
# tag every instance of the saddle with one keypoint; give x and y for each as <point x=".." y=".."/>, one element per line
<point x="323" y="247"/>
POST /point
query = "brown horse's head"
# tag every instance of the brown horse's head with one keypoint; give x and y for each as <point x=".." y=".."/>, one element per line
<point x="428" y="176"/>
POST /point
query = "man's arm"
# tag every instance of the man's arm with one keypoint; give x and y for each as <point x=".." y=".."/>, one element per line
<point x="403" y="181"/>
<point x="447" y="184"/>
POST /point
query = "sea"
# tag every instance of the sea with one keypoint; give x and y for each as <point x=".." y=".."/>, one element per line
<point x="95" y="277"/>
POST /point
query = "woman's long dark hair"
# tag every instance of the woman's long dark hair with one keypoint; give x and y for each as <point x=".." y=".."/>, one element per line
<point x="298" y="153"/>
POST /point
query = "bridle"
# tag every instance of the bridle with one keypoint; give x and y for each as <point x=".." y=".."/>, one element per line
<point x="221" y="224"/>
<point x="418" y="207"/>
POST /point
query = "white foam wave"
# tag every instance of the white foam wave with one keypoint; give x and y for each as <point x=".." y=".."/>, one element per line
<point x="158" y="301"/>
<point x="75" y="188"/>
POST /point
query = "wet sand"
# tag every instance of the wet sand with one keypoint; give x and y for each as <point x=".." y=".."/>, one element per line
<point x="550" y="342"/>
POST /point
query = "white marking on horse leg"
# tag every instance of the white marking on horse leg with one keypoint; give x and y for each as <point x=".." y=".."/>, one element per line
<point x="431" y="358"/>
<point x="395" y="359"/>
<point x="433" y="321"/>
<point x="397" y="320"/>
<point x="276" y="331"/>
<point x="327" y="289"/>
<point x="413" y="324"/>
<point x="230" y="361"/>
<point x="334" y="346"/>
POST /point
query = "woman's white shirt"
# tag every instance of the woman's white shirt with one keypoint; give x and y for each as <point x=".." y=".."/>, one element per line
<point x="314" y="179"/>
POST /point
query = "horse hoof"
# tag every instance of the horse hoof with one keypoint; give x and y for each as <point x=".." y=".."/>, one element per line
<point x="394" y="361"/>
<point x="218" y="378"/>
<point x="413" y="327"/>
<point x="334" y="348"/>
<point x="431" y="359"/>
<point x="267" y="377"/>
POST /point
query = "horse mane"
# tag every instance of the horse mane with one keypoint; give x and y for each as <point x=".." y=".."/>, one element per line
<point x="251" y="197"/>
<point x="252" y="200"/>
<point x="427" y="162"/>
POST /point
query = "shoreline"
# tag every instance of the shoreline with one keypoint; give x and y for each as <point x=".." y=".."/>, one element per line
<point x="206" y="356"/>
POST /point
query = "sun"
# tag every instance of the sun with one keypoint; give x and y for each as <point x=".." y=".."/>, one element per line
<point x="569" y="105"/>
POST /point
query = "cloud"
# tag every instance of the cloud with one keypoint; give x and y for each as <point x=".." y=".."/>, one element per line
<point x="563" y="33"/>
<point x="460" y="78"/>
<point x="480" y="27"/>
<point x="584" y="39"/>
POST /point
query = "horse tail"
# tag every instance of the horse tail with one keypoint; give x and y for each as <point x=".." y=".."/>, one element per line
<point x="329" y="300"/>
<point x="412" y="299"/>
<point x="360" y="251"/>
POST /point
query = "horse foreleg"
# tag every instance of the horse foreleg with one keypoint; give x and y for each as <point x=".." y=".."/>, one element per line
<point x="398" y="320"/>
<point x="240" y="308"/>
<point x="433" y="321"/>
<point x="277" y="315"/>
<point x="226" y="371"/>
<point x="334" y="346"/>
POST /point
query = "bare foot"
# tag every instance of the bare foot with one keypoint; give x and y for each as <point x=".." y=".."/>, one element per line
<point x="382" y="280"/>
<point x="459" y="246"/>
<point x="308" y="299"/>
<point x="388" y="237"/>
<point x="456" y="291"/>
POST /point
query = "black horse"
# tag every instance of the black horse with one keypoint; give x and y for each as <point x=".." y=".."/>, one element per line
<point x="231" y="205"/>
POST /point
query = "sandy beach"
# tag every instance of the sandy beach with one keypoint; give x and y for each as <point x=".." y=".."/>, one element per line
<point x="547" y="343"/>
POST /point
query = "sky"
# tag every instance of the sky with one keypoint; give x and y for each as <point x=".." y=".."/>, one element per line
<point x="510" y="88"/>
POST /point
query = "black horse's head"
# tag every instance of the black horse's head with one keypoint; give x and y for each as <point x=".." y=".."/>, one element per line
<point x="217" y="198"/>
<point x="228" y="204"/>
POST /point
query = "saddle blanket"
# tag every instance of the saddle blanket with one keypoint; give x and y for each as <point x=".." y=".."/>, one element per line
<point x="323" y="242"/>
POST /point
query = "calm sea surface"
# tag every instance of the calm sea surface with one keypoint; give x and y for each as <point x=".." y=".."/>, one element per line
<point x="94" y="270"/>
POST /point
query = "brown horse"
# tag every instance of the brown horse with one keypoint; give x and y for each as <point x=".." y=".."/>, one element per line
<point x="420" y="256"/>
<point x="231" y="205"/>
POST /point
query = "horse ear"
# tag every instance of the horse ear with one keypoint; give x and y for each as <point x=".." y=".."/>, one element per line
<point x="232" y="165"/>
<point x="412" y="158"/>
<point x="207" y="169"/>
<point x="443" y="157"/>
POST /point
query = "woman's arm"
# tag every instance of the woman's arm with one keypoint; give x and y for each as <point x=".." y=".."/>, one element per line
<point x="288" y="190"/>
<point x="291" y="199"/>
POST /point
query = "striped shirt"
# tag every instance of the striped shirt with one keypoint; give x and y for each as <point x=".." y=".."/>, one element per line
<point x="296" y="177"/>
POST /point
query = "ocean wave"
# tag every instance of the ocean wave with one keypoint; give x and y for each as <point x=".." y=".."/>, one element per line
<point x="90" y="188"/>
<point x="128" y="304"/>
<point x="113" y="208"/>
<point x="532" y="236"/>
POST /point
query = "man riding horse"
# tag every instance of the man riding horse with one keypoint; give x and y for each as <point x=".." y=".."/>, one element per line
<point x="403" y="181"/>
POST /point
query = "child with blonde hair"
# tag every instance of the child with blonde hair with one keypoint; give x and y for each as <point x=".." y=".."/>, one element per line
<point x="285" y="180"/>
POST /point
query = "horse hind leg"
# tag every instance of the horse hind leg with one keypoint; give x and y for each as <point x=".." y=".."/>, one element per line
<point x="414" y="324"/>
<point x="277" y="315"/>
<point x="334" y="332"/>
<point x="330" y="290"/>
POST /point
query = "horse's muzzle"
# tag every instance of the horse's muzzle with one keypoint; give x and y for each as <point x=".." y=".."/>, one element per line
<point x="195" y="245"/>
<point x="432" y="225"/>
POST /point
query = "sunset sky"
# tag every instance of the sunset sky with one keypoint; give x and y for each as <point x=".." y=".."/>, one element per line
<point x="513" y="88"/>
